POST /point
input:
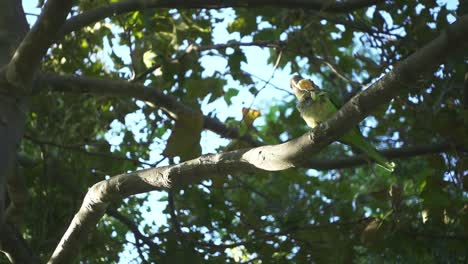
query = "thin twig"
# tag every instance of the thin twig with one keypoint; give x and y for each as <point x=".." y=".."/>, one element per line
<point x="74" y="147"/>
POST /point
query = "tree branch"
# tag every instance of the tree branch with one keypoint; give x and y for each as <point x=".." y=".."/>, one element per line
<point x="132" y="227"/>
<point x="79" y="148"/>
<point x="282" y="45"/>
<point x="271" y="158"/>
<point x="12" y="108"/>
<point x="193" y="47"/>
<point x="77" y="84"/>
<point x="172" y="212"/>
<point x="20" y="71"/>
<point x="99" y="13"/>
<point x="121" y="186"/>
<point x="407" y="152"/>
<point x="18" y="195"/>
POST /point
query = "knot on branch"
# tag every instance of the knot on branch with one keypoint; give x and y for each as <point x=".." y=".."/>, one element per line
<point x="157" y="178"/>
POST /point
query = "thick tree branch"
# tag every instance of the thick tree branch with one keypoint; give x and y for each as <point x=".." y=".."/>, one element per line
<point x="121" y="186"/>
<point x="18" y="195"/>
<point x="125" y="6"/>
<point x="271" y="158"/>
<point x="13" y="28"/>
<point x="27" y="57"/>
<point x="71" y="83"/>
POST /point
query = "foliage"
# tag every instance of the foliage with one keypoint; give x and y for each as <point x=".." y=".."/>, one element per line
<point x="416" y="214"/>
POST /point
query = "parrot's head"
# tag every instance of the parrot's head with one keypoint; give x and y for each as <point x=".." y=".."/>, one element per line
<point x="302" y="87"/>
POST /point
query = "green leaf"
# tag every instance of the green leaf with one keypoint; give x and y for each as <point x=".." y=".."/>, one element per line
<point x="267" y="34"/>
<point x="199" y="88"/>
<point x="185" y="137"/>
<point x="244" y="25"/>
<point x="235" y="59"/>
<point x="231" y="92"/>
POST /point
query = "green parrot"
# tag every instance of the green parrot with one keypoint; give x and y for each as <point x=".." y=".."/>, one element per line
<point x="316" y="106"/>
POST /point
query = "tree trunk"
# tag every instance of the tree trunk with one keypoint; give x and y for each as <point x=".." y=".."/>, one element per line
<point x="13" y="27"/>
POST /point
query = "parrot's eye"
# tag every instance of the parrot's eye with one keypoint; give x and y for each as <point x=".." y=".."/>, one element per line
<point x="306" y="85"/>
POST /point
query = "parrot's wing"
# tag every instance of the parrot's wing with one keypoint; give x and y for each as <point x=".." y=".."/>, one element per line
<point x="334" y="100"/>
<point x="338" y="104"/>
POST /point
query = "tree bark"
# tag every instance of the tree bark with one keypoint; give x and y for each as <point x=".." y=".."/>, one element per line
<point x="13" y="28"/>
<point x="20" y="54"/>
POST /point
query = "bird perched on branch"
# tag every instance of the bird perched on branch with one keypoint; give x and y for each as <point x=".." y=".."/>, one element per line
<point x="316" y="106"/>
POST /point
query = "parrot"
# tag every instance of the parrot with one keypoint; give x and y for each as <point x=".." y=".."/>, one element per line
<point x="316" y="106"/>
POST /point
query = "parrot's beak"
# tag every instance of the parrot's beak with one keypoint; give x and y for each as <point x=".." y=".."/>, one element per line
<point x="298" y="91"/>
<point x="294" y="81"/>
<point x="299" y="83"/>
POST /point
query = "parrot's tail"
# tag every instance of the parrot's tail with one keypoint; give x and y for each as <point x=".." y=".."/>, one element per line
<point x="375" y="155"/>
<point x="360" y="143"/>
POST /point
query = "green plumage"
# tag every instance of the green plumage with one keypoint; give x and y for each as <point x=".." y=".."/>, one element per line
<point x="316" y="106"/>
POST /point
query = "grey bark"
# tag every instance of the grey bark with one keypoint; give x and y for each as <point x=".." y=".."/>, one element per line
<point x="13" y="27"/>
<point x="20" y="54"/>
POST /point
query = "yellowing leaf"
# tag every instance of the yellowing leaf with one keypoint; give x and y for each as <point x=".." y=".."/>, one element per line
<point x="237" y="24"/>
<point x="135" y="15"/>
<point x="185" y="137"/>
<point x="249" y="115"/>
<point x="84" y="44"/>
<point x="148" y="58"/>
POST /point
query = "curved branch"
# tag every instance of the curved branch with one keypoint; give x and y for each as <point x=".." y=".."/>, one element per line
<point x="19" y="72"/>
<point x="131" y="226"/>
<point x="121" y="186"/>
<point x="77" y="84"/>
<point x="118" y="187"/>
<point x="19" y="196"/>
<point x="99" y="13"/>
<point x="271" y="158"/>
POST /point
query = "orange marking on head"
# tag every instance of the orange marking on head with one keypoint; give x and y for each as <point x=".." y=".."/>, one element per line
<point x="306" y="85"/>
